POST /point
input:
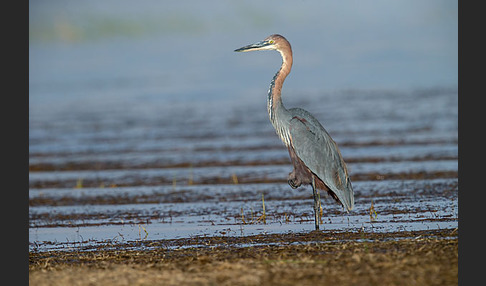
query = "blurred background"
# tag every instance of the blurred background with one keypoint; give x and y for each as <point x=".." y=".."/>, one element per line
<point x="94" y="55"/>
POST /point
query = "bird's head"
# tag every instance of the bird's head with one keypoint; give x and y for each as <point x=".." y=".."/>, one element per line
<point x="272" y="42"/>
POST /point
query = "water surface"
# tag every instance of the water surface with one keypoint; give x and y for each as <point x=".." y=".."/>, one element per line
<point x="145" y="125"/>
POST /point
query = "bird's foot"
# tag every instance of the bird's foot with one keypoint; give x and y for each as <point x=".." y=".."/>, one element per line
<point x="292" y="184"/>
<point x="293" y="181"/>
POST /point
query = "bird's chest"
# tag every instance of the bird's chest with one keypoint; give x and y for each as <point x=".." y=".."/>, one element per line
<point x="283" y="132"/>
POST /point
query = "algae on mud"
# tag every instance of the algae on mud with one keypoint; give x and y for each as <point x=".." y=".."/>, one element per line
<point x="404" y="258"/>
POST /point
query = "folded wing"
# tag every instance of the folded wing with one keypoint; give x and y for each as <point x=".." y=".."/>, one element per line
<point x="315" y="147"/>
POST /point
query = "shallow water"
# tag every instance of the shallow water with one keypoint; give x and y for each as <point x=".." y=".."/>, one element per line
<point x="94" y="180"/>
<point x="94" y="215"/>
<point x="134" y="139"/>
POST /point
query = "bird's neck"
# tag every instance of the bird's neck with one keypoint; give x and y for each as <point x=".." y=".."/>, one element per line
<point x="274" y="103"/>
<point x="275" y="91"/>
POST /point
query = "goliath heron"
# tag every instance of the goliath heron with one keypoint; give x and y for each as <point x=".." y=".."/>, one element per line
<point x="314" y="154"/>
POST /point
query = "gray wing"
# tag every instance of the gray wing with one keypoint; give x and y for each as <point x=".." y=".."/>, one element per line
<point x="321" y="155"/>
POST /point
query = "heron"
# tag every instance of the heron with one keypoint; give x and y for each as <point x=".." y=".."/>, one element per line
<point x="315" y="156"/>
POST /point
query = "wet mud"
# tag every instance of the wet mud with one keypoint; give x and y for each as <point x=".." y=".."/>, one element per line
<point x="404" y="258"/>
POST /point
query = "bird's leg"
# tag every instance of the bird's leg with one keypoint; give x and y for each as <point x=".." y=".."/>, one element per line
<point x="317" y="203"/>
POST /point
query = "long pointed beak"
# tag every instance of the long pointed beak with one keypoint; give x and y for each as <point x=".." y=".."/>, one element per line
<point x="263" y="45"/>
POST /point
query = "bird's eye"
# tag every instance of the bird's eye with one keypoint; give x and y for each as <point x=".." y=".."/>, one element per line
<point x="271" y="41"/>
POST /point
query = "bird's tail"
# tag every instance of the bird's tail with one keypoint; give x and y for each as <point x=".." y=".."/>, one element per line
<point x="346" y="197"/>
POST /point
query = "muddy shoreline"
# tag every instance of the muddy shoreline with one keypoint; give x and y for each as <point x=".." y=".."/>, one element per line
<point x="404" y="258"/>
